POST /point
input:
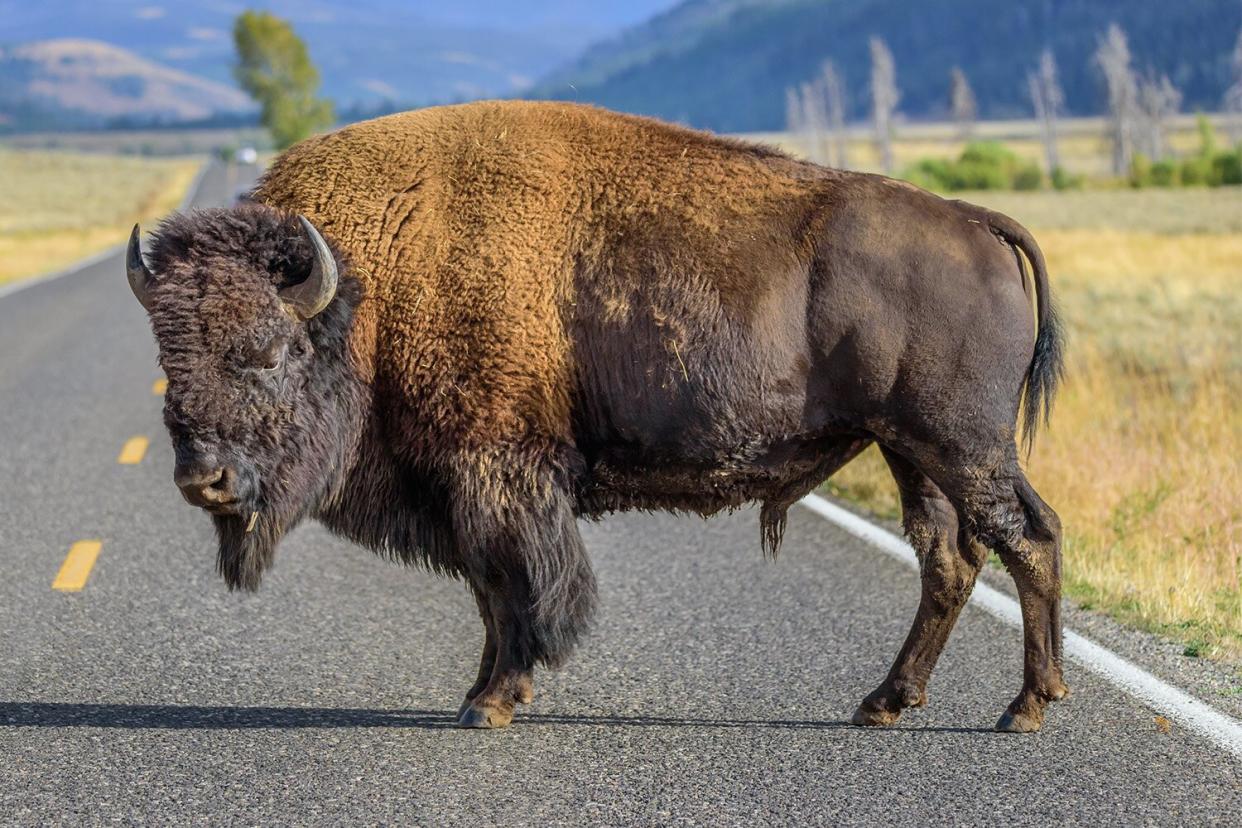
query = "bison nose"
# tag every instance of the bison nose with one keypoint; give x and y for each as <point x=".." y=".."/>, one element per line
<point x="207" y="487"/>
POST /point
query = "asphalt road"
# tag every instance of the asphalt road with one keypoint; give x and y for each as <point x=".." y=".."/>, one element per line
<point x="715" y="690"/>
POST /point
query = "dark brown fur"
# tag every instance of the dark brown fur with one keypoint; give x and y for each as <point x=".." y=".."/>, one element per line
<point x="550" y="311"/>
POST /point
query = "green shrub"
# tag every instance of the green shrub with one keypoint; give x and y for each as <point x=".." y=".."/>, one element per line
<point x="1207" y="136"/>
<point x="983" y="165"/>
<point x="1165" y="173"/>
<point x="978" y="175"/>
<point x="1211" y="166"/>
<point x="1227" y="167"/>
<point x="1028" y="177"/>
<point x="1064" y="180"/>
<point x="1207" y="167"/>
<point x="1140" y="171"/>
<point x="930" y="174"/>
<point x="1196" y="171"/>
<point x="992" y="153"/>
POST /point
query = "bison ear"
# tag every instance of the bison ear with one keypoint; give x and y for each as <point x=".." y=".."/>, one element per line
<point x="140" y="278"/>
<point x="310" y="296"/>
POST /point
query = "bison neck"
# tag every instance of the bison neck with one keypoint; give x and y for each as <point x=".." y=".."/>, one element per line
<point x="391" y="506"/>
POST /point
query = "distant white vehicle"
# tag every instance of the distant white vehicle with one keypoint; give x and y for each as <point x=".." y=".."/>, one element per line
<point x="247" y="155"/>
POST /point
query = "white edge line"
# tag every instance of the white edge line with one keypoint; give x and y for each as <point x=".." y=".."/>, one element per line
<point x="94" y="259"/>
<point x="1161" y="696"/>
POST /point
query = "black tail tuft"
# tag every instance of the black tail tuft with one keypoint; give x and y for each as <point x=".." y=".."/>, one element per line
<point x="1044" y="375"/>
<point x="1048" y="361"/>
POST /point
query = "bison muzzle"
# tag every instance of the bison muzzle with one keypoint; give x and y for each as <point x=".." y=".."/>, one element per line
<point x="448" y="334"/>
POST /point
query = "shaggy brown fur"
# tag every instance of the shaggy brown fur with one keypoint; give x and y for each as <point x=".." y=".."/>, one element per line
<point x="549" y="311"/>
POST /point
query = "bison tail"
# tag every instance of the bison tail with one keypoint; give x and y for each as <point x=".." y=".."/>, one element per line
<point x="1048" y="361"/>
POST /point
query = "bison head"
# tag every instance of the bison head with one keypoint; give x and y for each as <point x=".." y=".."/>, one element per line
<point x="251" y="314"/>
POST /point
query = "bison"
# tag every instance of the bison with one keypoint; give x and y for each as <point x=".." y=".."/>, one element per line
<point x="447" y="334"/>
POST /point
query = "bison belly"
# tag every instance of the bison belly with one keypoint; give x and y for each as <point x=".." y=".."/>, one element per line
<point x="683" y="402"/>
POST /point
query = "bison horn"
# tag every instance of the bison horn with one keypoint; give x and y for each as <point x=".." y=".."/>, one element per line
<point x="136" y="270"/>
<point x="312" y="294"/>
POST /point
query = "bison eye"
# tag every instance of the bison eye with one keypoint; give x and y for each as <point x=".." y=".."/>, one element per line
<point x="271" y="357"/>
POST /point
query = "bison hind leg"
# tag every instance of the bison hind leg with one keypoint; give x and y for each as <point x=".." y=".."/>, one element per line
<point x="949" y="561"/>
<point x="996" y="507"/>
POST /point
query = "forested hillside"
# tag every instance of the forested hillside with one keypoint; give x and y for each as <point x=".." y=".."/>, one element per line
<point x="725" y="64"/>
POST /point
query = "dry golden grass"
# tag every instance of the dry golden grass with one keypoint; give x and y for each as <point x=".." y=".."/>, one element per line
<point x="1142" y="457"/>
<point x="56" y="208"/>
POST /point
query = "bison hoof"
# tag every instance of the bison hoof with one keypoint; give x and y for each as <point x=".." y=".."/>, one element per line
<point x="1020" y="722"/>
<point x="866" y="716"/>
<point x="484" y="718"/>
<point x="883" y="705"/>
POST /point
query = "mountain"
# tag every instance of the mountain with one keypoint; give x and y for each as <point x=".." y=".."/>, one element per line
<point x="725" y="64"/>
<point x="367" y="52"/>
<point x="87" y="82"/>
<point x="672" y="32"/>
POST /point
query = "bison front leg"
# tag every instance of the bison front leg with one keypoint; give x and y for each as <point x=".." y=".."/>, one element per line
<point x="511" y="679"/>
<point x="949" y="562"/>
<point x="487" y="661"/>
<point x="530" y="572"/>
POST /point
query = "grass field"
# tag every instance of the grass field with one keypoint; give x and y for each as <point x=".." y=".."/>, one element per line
<point x="56" y="208"/>
<point x="1142" y="457"/>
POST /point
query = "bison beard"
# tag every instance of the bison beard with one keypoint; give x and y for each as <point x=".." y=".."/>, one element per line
<point x="244" y="556"/>
<point x="571" y="312"/>
<point x="247" y="542"/>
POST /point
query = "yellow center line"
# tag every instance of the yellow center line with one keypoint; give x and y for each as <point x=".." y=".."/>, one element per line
<point x="133" y="450"/>
<point x="77" y="566"/>
<point x="159" y="387"/>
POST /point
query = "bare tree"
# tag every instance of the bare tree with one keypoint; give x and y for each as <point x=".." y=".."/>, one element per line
<point x="815" y="119"/>
<point x="793" y="110"/>
<point x="1113" y="57"/>
<point x="1158" y="100"/>
<point x="795" y="123"/>
<point x="815" y="112"/>
<point x="962" y="103"/>
<point x="884" y="99"/>
<point x="806" y="118"/>
<point x="1233" y="95"/>
<point x="1047" y="98"/>
<point x="833" y="86"/>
